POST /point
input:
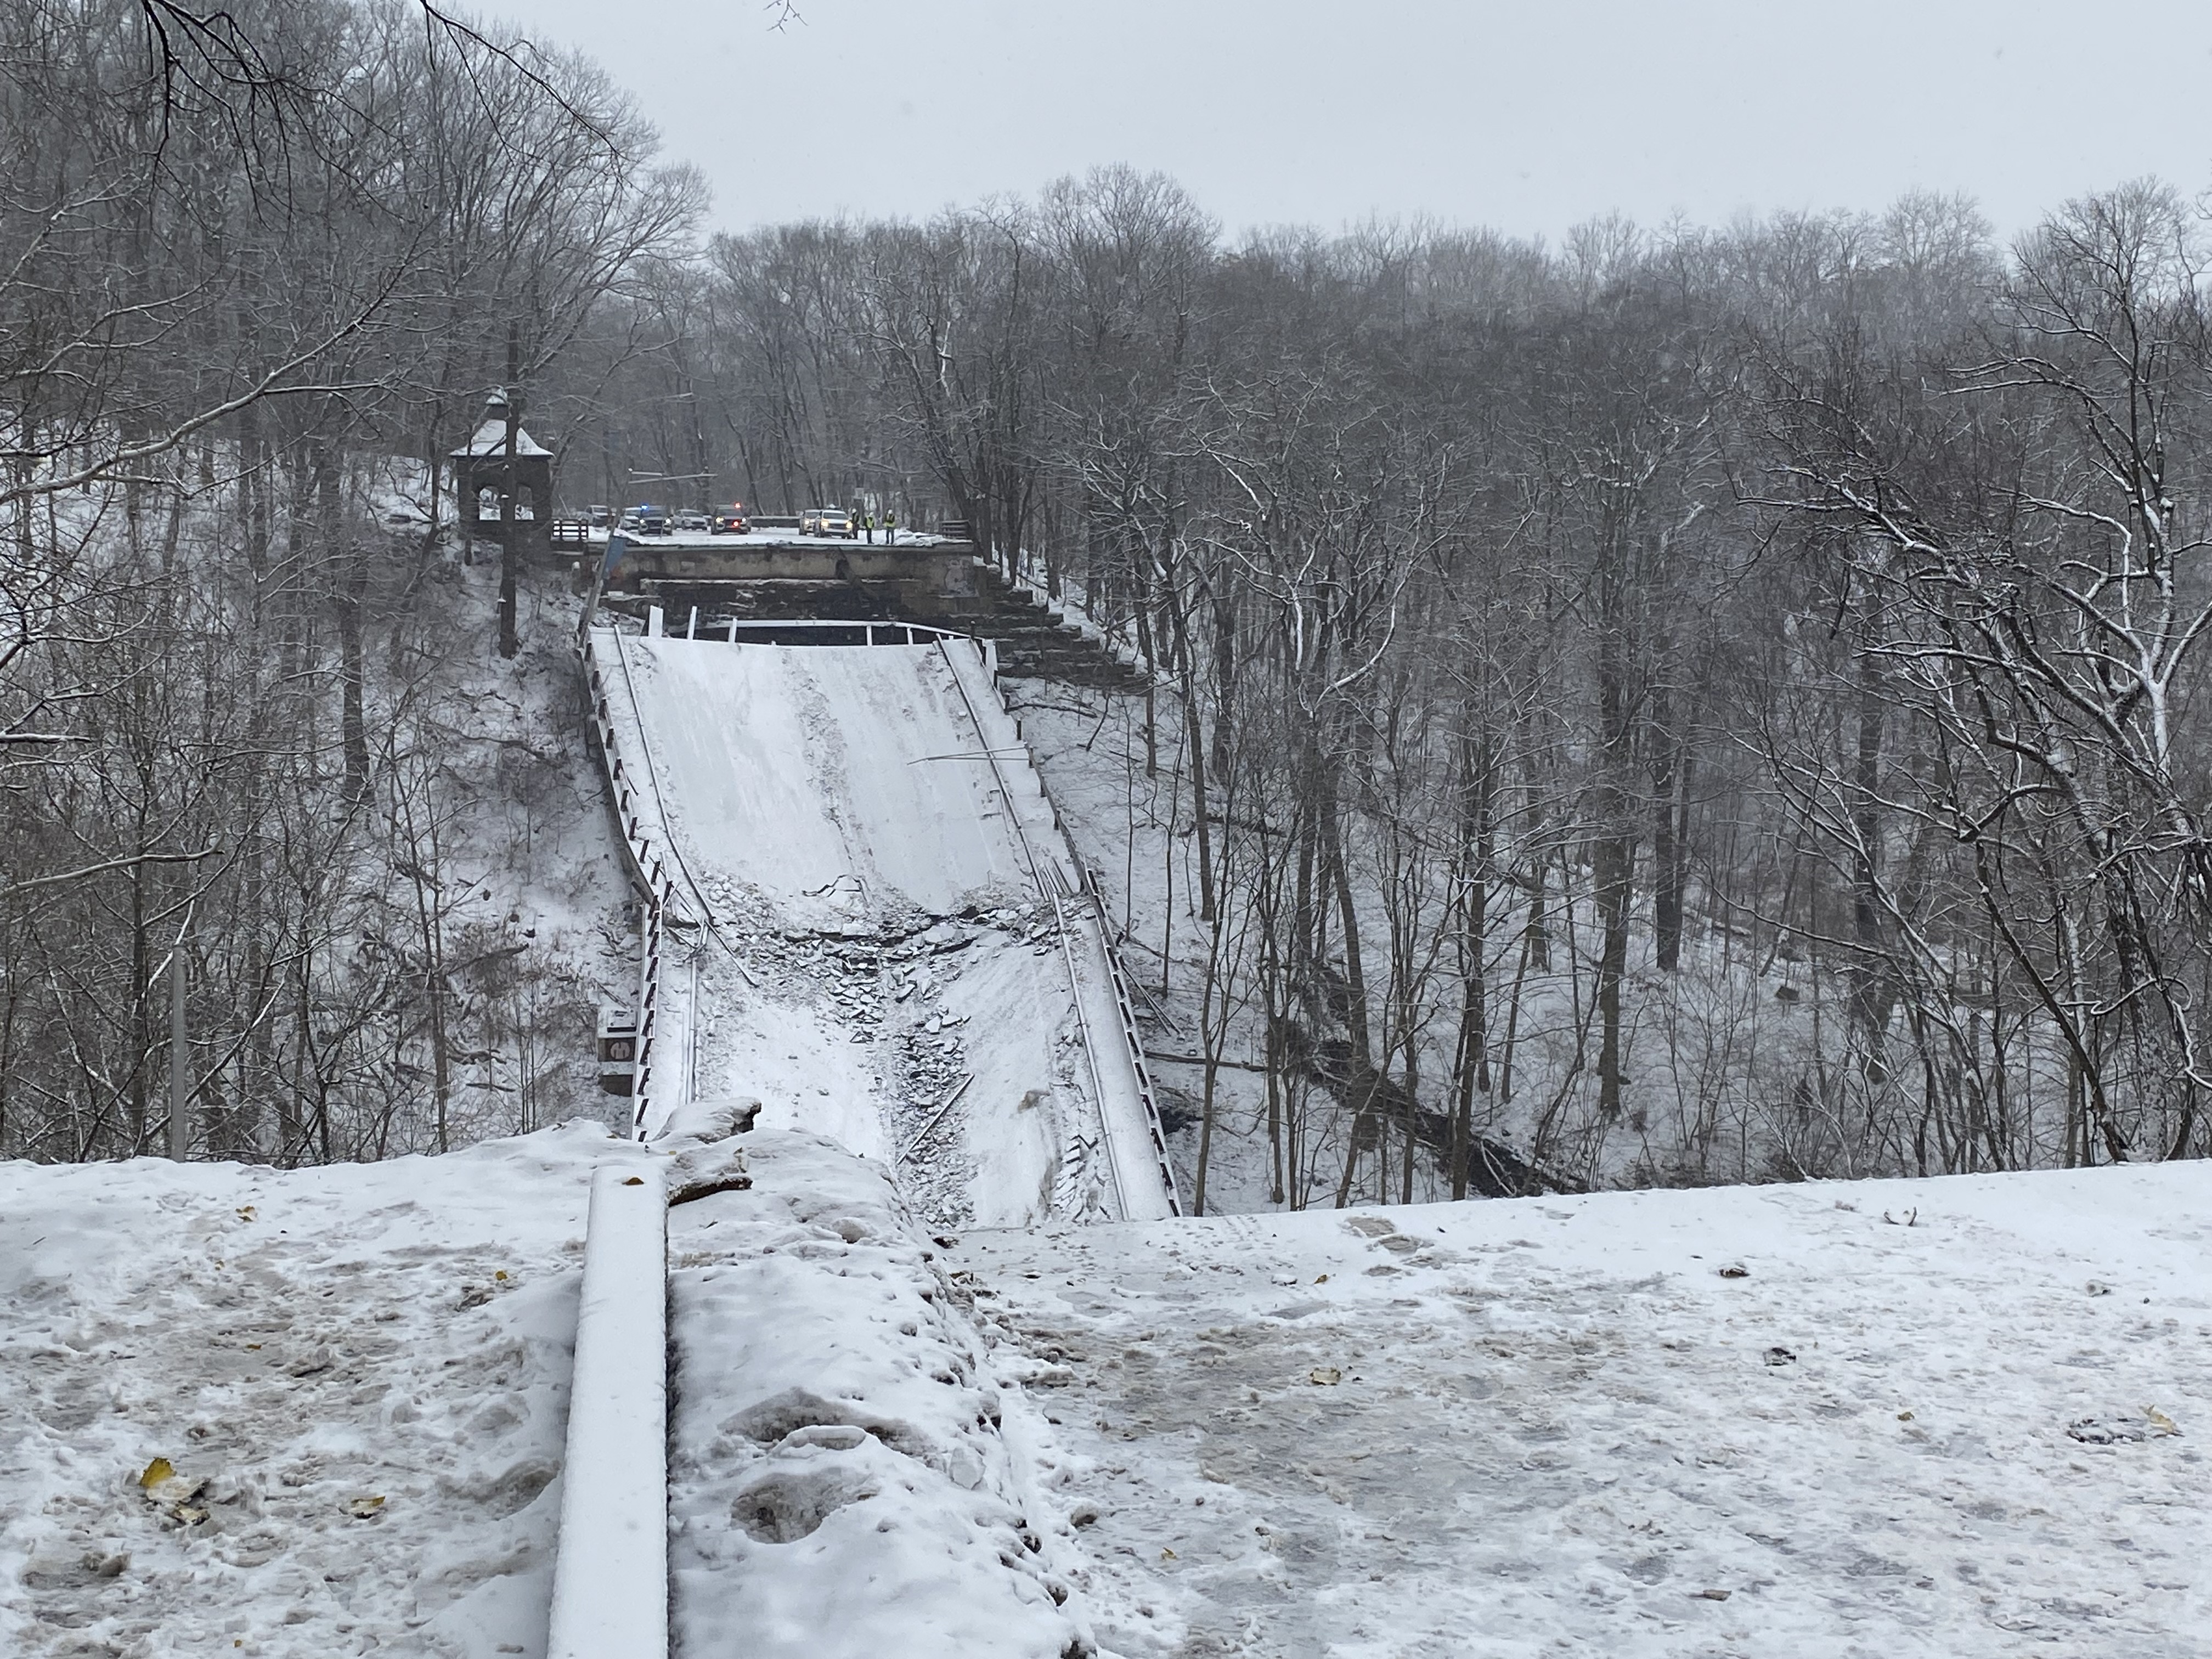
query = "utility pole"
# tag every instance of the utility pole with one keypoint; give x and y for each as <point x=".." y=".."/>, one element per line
<point x="505" y="403"/>
<point x="180" y="1088"/>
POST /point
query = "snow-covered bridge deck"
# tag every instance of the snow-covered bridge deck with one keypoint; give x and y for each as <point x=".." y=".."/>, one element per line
<point x="894" y="951"/>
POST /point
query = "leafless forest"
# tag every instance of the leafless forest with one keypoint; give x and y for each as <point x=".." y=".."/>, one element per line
<point x="1700" y="703"/>
<point x="256" y="268"/>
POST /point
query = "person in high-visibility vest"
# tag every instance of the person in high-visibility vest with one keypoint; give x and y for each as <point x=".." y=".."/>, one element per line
<point x="868" y="527"/>
<point x="891" y="527"/>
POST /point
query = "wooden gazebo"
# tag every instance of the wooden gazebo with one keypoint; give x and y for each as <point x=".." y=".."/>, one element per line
<point x="479" y="470"/>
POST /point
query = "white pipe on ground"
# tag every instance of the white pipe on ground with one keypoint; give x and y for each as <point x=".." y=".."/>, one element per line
<point x="610" y="1576"/>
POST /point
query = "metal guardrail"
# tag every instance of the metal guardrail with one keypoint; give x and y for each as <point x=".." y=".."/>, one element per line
<point x="1126" y="1007"/>
<point x="913" y="633"/>
<point x="1087" y="889"/>
<point x="611" y="1568"/>
<point x="647" y="868"/>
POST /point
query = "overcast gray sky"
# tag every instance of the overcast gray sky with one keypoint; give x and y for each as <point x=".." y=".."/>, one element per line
<point x="1527" y="117"/>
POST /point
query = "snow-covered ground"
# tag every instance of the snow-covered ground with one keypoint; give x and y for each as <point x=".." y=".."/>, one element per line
<point x="322" y="1411"/>
<point x="354" y="1377"/>
<point x="1950" y="1419"/>
<point x="1959" y="1418"/>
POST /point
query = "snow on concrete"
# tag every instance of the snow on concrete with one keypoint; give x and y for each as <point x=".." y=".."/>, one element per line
<point x="1962" y="1417"/>
<point x="838" y="1486"/>
<point x="1142" y="1183"/>
<point x="1007" y="1001"/>
<point x="356" y="1375"/>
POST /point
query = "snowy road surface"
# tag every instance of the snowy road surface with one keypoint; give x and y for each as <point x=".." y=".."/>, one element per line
<point x="358" y="1375"/>
<point x="786" y="768"/>
<point x="862" y="826"/>
<point x="1556" y="1425"/>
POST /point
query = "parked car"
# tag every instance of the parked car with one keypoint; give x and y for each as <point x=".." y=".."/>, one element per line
<point x="810" y="521"/>
<point x="730" y="521"/>
<point x="598" y="515"/>
<point x="834" y="521"/>
<point x="691" y="523"/>
<point x="646" y="520"/>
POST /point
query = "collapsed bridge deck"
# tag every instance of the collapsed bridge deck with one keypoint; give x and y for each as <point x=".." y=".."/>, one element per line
<point x="878" y="929"/>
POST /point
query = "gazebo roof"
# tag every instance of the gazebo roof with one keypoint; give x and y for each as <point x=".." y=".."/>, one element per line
<point x="491" y="439"/>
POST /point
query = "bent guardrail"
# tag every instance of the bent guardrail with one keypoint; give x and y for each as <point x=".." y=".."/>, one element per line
<point x="647" y="870"/>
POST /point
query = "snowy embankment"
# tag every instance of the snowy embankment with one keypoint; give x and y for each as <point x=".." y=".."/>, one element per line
<point x="1959" y="1418"/>
<point x="252" y="1411"/>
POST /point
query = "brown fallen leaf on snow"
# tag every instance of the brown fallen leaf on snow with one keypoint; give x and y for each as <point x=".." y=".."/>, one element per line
<point x="1327" y="1376"/>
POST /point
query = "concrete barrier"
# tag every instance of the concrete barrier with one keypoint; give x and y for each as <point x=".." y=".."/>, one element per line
<point x="610" y="1576"/>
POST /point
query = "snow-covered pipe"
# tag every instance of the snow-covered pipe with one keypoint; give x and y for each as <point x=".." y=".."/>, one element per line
<point x="610" y="1574"/>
